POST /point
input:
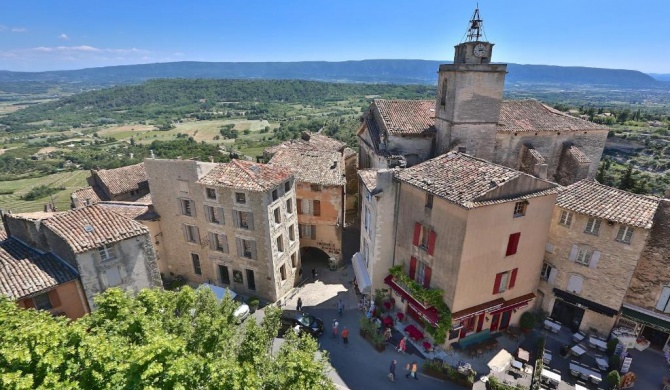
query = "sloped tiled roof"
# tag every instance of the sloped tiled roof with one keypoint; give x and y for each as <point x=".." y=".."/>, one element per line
<point x="91" y="227"/>
<point x="312" y="166"/>
<point x="309" y="141"/>
<point x="124" y="179"/>
<point x="465" y="180"/>
<point x="246" y="175"/>
<point x="146" y="199"/>
<point x="369" y="178"/>
<point x="82" y="194"/>
<point x="407" y="116"/>
<point x="374" y="132"/>
<point x="531" y="115"/>
<point x="579" y="155"/>
<point x="597" y="200"/>
<point x="25" y="271"/>
<point x="132" y="210"/>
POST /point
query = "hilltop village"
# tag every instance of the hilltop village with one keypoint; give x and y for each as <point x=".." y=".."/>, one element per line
<point x="462" y="216"/>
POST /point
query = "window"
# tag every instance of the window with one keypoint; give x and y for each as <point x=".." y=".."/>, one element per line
<point x="546" y="271"/>
<point x="42" y="302"/>
<point x="592" y="226"/>
<point x="210" y="193"/>
<point x="192" y="234"/>
<point x="282" y="272"/>
<point x="280" y="243"/>
<point x="277" y="214"/>
<point x="443" y="94"/>
<point x="113" y="277"/>
<point x="512" y="244"/>
<point x="625" y="234"/>
<point x="224" y="275"/>
<point x="240" y="197"/>
<point x="583" y="256"/>
<point x="289" y="206"/>
<point x="214" y="215"/>
<point x="287" y="186"/>
<point x="307" y="231"/>
<point x="575" y="284"/>
<point x="309" y="207"/>
<point x="183" y="186"/>
<point x="218" y="242"/>
<point x="520" y="209"/>
<point x="237" y="276"/>
<point x="505" y="281"/>
<point x="566" y="218"/>
<point x="429" y="201"/>
<point x="107" y="252"/>
<point x="291" y="233"/>
<point x="424" y="238"/>
<point x="195" y="259"/>
<point x="425" y="232"/>
<point x="663" y="303"/>
<point x="419" y="272"/>
<point x="251" y="281"/>
<point x="244" y="220"/>
<point x="187" y="207"/>
<point x="275" y="195"/>
<point x="315" y="187"/>
<point x="294" y="260"/>
<point x="246" y="248"/>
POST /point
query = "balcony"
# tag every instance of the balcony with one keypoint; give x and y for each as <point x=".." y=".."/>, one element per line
<point x="427" y="312"/>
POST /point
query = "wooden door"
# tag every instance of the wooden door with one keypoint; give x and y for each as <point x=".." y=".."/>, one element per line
<point x="494" y="322"/>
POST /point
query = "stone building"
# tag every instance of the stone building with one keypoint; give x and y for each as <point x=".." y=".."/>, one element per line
<point x="39" y="280"/>
<point x="470" y="220"/>
<point x="470" y="116"/>
<point x="596" y="237"/>
<point x="127" y="183"/>
<point x="320" y="193"/>
<point x="646" y="307"/>
<point x="232" y="225"/>
<point x="106" y="248"/>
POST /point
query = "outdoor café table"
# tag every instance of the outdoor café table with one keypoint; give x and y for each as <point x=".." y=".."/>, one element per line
<point x="578" y="337"/>
<point x="603" y="364"/>
<point x="523" y="355"/>
<point x="552" y="326"/>
<point x="597" y="343"/>
<point x="387" y="321"/>
<point x="584" y="371"/>
<point x="552" y="376"/>
<point x="517" y="364"/>
<point x="577" y="350"/>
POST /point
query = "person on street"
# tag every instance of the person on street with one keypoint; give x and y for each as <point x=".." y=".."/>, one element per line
<point x="392" y="370"/>
<point x="345" y="336"/>
<point x="412" y="370"/>
<point x="314" y="273"/>
<point x="387" y="335"/>
<point x="299" y="305"/>
<point x="335" y="325"/>
<point x="402" y="345"/>
<point x="340" y="307"/>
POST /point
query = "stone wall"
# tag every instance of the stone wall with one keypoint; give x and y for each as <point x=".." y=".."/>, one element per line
<point x="328" y="224"/>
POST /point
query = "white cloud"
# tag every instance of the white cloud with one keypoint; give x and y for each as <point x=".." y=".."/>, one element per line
<point x="19" y="29"/>
<point x="84" y="48"/>
<point x="63" y="37"/>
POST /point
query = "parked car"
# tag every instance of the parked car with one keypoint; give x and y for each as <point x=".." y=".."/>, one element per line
<point x="241" y="312"/>
<point x="301" y="323"/>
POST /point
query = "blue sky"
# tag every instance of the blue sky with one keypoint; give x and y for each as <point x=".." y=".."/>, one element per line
<point x="40" y="35"/>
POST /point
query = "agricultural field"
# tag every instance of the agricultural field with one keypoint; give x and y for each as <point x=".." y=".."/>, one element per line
<point x="70" y="180"/>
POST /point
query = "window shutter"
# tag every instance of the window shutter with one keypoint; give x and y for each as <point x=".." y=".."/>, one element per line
<point x="196" y="234"/>
<point x="512" y="244"/>
<point x="54" y="298"/>
<point x="253" y="250"/>
<point x="512" y="279"/>
<point x="412" y="267"/>
<point x="299" y="203"/>
<point x="183" y="229"/>
<point x="219" y="212"/>
<point x="426" y="277"/>
<point x="549" y="247"/>
<point x="317" y="207"/>
<point x="240" y="251"/>
<point x="662" y="301"/>
<point x="212" y="241"/>
<point x="417" y="233"/>
<point x="594" y="259"/>
<point x="496" y="285"/>
<point x="192" y="203"/>
<point x="236" y="218"/>
<point x="29" y="303"/>
<point x="223" y="239"/>
<point x="250" y="221"/>
<point x="313" y="232"/>
<point x="552" y="276"/>
<point x="573" y="253"/>
<point x="431" y="242"/>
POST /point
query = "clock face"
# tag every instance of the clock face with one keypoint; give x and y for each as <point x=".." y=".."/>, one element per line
<point x="479" y="50"/>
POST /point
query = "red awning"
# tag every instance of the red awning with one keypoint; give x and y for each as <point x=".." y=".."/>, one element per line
<point x="429" y="314"/>
<point x="475" y="310"/>
<point x="515" y="303"/>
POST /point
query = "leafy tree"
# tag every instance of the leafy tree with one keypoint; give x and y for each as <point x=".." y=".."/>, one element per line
<point x="158" y="340"/>
<point x="627" y="180"/>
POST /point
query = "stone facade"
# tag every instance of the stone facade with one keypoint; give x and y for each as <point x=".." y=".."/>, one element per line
<point x="66" y="299"/>
<point x="321" y="226"/>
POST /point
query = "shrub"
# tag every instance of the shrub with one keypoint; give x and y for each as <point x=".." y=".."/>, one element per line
<point x="611" y="345"/>
<point x="614" y="379"/>
<point x="41" y="192"/>
<point x="527" y="321"/>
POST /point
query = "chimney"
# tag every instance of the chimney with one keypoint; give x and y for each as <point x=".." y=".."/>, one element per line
<point x="542" y="171"/>
<point x="384" y="178"/>
<point x="462" y="149"/>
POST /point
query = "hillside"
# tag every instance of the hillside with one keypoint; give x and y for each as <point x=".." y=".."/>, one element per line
<point x="371" y="71"/>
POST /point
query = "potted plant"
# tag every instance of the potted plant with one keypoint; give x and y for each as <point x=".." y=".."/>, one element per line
<point x="611" y="345"/>
<point x="527" y="322"/>
<point x="614" y="379"/>
<point x="253" y="303"/>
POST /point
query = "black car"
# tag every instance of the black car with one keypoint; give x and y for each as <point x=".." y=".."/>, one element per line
<point x="303" y="322"/>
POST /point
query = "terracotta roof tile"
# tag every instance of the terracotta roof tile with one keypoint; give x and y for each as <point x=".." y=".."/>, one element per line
<point x="531" y="115"/>
<point x="579" y="155"/>
<point x="597" y="200"/>
<point x="132" y="210"/>
<point x="406" y="116"/>
<point x="465" y="180"/>
<point x="246" y="175"/>
<point x="25" y="271"/>
<point x="309" y="141"/>
<point x="87" y="193"/>
<point x="369" y="178"/>
<point x="312" y="166"/>
<point x="89" y="227"/>
<point x="124" y="179"/>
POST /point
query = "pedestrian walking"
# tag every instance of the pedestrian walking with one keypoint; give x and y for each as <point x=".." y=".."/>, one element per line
<point x="335" y="325"/>
<point x="314" y="273"/>
<point x="392" y="370"/>
<point x="387" y="335"/>
<point x="299" y="305"/>
<point x="340" y="307"/>
<point x="411" y="370"/>
<point x="402" y="345"/>
<point x="345" y="336"/>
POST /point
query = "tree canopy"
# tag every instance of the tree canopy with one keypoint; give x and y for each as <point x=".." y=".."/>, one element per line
<point x="158" y="340"/>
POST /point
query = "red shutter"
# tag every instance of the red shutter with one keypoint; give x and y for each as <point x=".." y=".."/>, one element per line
<point x="299" y="203"/>
<point x="29" y="304"/>
<point x="512" y="244"/>
<point x="431" y="242"/>
<point x="496" y="285"/>
<point x="417" y="233"/>
<point x="412" y="267"/>
<point x="426" y="277"/>
<point x="512" y="279"/>
<point x="54" y="298"/>
<point x="317" y="207"/>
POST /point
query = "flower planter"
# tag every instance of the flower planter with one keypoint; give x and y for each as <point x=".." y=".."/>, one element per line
<point x="436" y="374"/>
<point x="378" y="347"/>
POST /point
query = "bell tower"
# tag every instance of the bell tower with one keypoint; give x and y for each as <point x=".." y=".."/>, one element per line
<point x="469" y="94"/>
